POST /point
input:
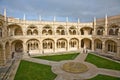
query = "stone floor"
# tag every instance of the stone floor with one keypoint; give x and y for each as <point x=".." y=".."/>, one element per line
<point x="63" y="75"/>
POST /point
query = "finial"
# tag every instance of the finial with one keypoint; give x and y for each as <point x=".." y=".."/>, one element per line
<point x="54" y="18"/>
<point x="106" y="19"/>
<point x="5" y="14"/>
<point x="40" y="18"/>
<point x="78" y="20"/>
<point x="24" y="17"/>
<point x="66" y="19"/>
<point x="94" y="21"/>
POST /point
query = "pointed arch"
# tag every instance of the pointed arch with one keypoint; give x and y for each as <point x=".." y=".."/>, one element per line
<point x="74" y="44"/>
<point x="86" y="43"/>
<point x="29" y="32"/>
<point x="60" y="30"/>
<point x="18" y="31"/>
<point x="17" y="46"/>
<point x="35" y="32"/>
<point x="48" y="45"/>
<point x="72" y="30"/>
<point x="111" y="46"/>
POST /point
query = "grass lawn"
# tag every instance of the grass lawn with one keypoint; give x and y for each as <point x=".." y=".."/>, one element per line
<point x="59" y="57"/>
<point x="33" y="71"/>
<point x="102" y="62"/>
<point x="104" y="77"/>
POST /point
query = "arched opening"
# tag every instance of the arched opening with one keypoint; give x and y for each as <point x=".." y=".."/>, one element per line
<point x="86" y="30"/>
<point x="62" y="44"/>
<point x="33" y="46"/>
<point x="48" y="45"/>
<point x="72" y="30"/>
<point x="35" y="32"/>
<point x="63" y="32"/>
<point x="32" y="30"/>
<point x="100" y="30"/>
<point x="17" y="46"/>
<point x="29" y="32"/>
<point x="113" y="29"/>
<point x="18" y="31"/>
<point x="74" y="44"/>
<point x="98" y="45"/>
<point x="50" y="32"/>
<point x="60" y="30"/>
<point x="44" y="32"/>
<point x="47" y="30"/>
<point x="111" y="46"/>
<point x="14" y="29"/>
<point x="111" y="32"/>
<point x="86" y="43"/>
<point x="82" y="32"/>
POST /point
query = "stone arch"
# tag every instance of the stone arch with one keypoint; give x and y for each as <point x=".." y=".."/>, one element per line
<point x="86" y="43"/>
<point x="32" y="30"/>
<point x="48" y="45"/>
<point x="44" y="32"/>
<point x="50" y="32"/>
<point x="18" y="31"/>
<point x="111" y="46"/>
<point x="60" y="30"/>
<point x="73" y="44"/>
<point x="72" y="30"/>
<point x="111" y="32"/>
<point x="29" y="32"/>
<point x="35" y="32"/>
<point x="113" y="29"/>
<point x="86" y="30"/>
<point x="62" y="44"/>
<point x="14" y="29"/>
<point x="17" y="46"/>
<point x="100" y="30"/>
<point x="33" y="46"/>
<point x="98" y="45"/>
<point x="82" y="32"/>
<point x="47" y="30"/>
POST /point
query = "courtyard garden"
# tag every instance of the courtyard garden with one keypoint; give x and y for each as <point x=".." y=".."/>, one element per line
<point x="60" y="57"/>
<point x="102" y="62"/>
<point x="34" y="71"/>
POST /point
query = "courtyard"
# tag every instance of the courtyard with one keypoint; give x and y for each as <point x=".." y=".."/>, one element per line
<point x="51" y="67"/>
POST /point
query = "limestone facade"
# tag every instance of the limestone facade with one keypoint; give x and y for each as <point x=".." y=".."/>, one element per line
<point x="45" y="37"/>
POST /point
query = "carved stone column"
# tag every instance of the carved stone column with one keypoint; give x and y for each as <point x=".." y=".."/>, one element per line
<point x="93" y="45"/>
<point x="103" y="47"/>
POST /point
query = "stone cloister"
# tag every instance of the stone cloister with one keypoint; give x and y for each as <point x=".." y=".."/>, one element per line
<point x="47" y="37"/>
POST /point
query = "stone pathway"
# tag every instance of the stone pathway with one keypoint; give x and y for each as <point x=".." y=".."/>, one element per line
<point x="63" y="75"/>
